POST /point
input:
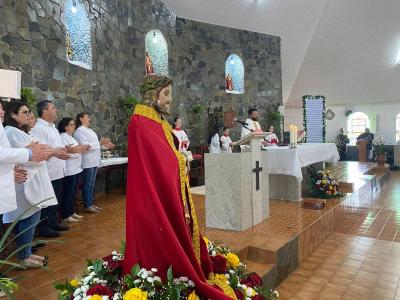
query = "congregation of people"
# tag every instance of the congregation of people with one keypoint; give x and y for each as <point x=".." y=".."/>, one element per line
<point x="41" y="165"/>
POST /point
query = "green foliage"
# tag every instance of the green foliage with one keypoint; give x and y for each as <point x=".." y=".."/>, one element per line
<point x="198" y="109"/>
<point x="274" y="119"/>
<point x="28" y="97"/>
<point x="129" y="104"/>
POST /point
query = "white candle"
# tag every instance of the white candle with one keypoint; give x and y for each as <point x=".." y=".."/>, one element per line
<point x="295" y="134"/>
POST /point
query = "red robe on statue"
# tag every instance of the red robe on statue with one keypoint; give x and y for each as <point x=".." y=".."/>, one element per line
<point x="158" y="198"/>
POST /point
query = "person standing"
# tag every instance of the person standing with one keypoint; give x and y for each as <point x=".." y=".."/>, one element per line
<point x="271" y="139"/>
<point x="90" y="159"/>
<point x="181" y="135"/>
<point x="214" y="143"/>
<point x="10" y="156"/>
<point x="46" y="132"/>
<point x="341" y="143"/>
<point x="226" y="142"/>
<point x="252" y="123"/>
<point x="73" y="169"/>
<point x="369" y="138"/>
<point x="34" y="193"/>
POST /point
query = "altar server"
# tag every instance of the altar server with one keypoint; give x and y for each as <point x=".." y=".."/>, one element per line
<point x="214" y="142"/>
<point x="271" y="139"/>
<point x="226" y="142"/>
<point x="181" y="135"/>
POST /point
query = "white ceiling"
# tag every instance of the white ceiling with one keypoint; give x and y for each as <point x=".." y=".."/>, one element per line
<point x="347" y="50"/>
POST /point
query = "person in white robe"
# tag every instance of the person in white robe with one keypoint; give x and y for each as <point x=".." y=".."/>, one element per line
<point x="271" y="139"/>
<point x="33" y="194"/>
<point x="181" y="135"/>
<point x="226" y="142"/>
<point x="214" y="143"/>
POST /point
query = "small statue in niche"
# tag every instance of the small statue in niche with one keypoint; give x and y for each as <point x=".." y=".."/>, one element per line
<point x="229" y="82"/>
<point x="69" y="49"/>
<point x="149" y="64"/>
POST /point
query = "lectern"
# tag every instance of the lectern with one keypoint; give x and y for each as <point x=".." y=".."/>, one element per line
<point x="362" y="151"/>
<point x="237" y="187"/>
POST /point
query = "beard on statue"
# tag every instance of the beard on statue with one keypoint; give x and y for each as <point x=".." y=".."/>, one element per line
<point x="161" y="222"/>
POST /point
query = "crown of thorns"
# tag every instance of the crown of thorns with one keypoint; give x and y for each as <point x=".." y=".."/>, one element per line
<point x="153" y="82"/>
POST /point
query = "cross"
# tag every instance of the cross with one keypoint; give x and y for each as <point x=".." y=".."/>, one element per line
<point x="257" y="170"/>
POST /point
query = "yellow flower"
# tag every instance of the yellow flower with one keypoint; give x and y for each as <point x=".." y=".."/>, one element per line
<point x="193" y="296"/>
<point x="331" y="187"/>
<point x="96" y="297"/>
<point x="65" y="293"/>
<point x="74" y="283"/>
<point x="206" y="240"/>
<point x="250" y="292"/>
<point x="233" y="260"/>
<point x="324" y="181"/>
<point x="135" y="294"/>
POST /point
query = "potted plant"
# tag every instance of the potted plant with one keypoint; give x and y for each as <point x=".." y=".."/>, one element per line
<point x="380" y="150"/>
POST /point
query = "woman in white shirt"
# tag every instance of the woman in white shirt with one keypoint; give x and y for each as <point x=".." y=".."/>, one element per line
<point x="73" y="169"/>
<point x="181" y="135"/>
<point x="90" y="159"/>
<point x="226" y="142"/>
<point x="33" y="194"/>
<point x="214" y="142"/>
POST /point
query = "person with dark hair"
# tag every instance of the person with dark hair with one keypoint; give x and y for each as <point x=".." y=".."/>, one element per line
<point x="73" y="169"/>
<point x="252" y="123"/>
<point x="90" y="160"/>
<point x="32" y="195"/>
<point x="341" y="143"/>
<point x="214" y="143"/>
<point x="10" y="156"/>
<point x="226" y="142"/>
<point x="181" y="135"/>
<point x="46" y="132"/>
<point x="271" y="139"/>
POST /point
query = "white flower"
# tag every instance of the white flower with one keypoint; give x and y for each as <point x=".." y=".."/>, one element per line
<point x="137" y="281"/>
<point x="213" y="253"/>
<point x="117" y="296"/>
<point x="154" y="270"/>
<point x="156" y="278"/>
<point x="144" y="275"/>
<point x="150" y="279"/>
<point x="176" y="281"/>
<point x="227" y="276"/>
<point x="276" y="294"/>
<point x="182" y="278"/>
<point x="114" y="253"/>
<point x="191" y="283"/>
<point x="231" y="271"/>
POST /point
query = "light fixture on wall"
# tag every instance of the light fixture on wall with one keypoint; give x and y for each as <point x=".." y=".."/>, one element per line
<point x="74" y="9"/>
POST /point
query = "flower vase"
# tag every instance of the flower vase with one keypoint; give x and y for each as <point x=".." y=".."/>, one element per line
<point x="381" y="158"/>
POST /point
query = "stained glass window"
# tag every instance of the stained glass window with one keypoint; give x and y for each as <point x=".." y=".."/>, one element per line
<point x="356" y="124"/>
<point x="234" y="75"/>
<point x="398" y="128"/>
<point x="156" y="56"/>
<point x="78" y="44"/>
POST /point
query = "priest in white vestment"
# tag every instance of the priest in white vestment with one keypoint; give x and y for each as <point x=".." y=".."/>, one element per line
<point x="252" y="123"/>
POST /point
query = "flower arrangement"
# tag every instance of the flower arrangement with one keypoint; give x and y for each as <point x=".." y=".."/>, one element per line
<point x="324" y="185"/>
<point x="379" y="146"/>
<point x="103" y="280"/>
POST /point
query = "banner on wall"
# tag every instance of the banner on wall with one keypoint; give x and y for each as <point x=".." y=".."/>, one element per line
<point x="314" y="118"/>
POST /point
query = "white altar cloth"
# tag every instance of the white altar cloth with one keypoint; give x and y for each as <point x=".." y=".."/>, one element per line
<point x="286" y="161"/>
<point x="113" y="161"/>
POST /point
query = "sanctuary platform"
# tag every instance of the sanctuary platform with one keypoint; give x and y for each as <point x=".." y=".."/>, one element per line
<point x="275" y="247"/>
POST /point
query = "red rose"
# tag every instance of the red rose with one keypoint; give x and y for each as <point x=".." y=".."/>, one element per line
<point x="218" y="264"/>
<point x="252" y="280"/>
<point x="101" y="290"/>
<point x="239" y="294"/>
<point x="112" y="264"/>
<point x="258" y="297"/>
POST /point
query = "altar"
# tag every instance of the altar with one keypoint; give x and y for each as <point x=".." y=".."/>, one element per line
<point x="286" y="167"/>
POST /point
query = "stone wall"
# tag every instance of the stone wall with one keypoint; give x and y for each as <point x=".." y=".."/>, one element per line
<point x="32" y="39"/>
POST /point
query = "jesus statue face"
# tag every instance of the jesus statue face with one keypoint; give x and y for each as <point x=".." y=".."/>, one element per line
<point x="164" y="100"/>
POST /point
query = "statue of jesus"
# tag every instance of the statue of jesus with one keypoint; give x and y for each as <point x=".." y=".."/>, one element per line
<point x="161" y="222"/>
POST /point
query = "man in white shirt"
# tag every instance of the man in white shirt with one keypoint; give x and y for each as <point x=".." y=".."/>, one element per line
<point x="10" y="156"/>
<point x="252" y="123"/>
<point x="46" y="132"/>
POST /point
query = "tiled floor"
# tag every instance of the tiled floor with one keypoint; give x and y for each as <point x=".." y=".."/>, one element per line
<point x="101" y="233"/>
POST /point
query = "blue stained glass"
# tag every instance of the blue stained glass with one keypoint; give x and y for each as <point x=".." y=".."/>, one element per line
<point x="156" y="56"/>
<point x="234" y="75"/>
<point x="79" y="48"/>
